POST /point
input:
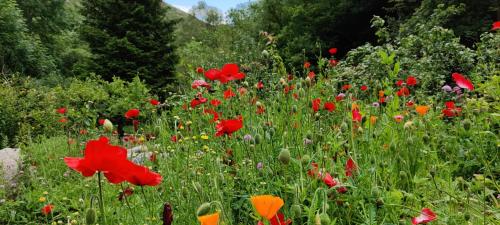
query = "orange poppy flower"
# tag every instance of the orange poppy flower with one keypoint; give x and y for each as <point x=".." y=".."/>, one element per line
<point x="381" y="94"/>
<point x="422" y="109"/>
<point x="267" y="205"/>
<point x="212" y="219"/>
<point x="373" y="120"/>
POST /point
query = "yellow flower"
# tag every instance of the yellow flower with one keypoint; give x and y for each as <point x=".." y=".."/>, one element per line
<point x="212" y="219"/>
<point x="42" y="199"/>
<point x="267" y="205"/>
<point x="204" y="137"/>
<point x="189" y="122"/>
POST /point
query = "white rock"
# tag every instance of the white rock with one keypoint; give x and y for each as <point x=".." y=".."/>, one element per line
<point x="10" y="162"/>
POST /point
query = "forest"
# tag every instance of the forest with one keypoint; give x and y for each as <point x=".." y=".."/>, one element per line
<point x="275" y="112"/>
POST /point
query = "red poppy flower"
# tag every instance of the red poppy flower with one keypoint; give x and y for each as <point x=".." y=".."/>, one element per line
<point x="229" y="94"/>
<point x="287" y="89"/>
<point x="411" y="81"/>
<point x="329" y="181"/>
<point x="198" y="101"/>
<point x="290" y="77"/>
<point x="213" y="112"/>
<point x="350" y="167"/>
<point x="154" y="102"/>
<point x="332" y="62"/>
<point x="311" y="75"/>
<point x="63" y="120"/>
<point x="410" y="104"/>
<point x="47" y="209"/>
<point x="451" y="110"/>
<point x="332" y="51"/>
<point x="496" y="25"/>
<point x="99" y="156"/>
<point x="404" y="91"/>
<point x="307" y="65"/>
<point x="314" y="171"/>
<point x="230" y="72"/>
<point x="229" y="126"/>
<point x="200" y="83"/>
<point x="462" y="82"/>
<point x="279" y="219"/>
<point x="101" y="121"/>
<point x="346" y="87"/>
<point x="127" y="192"/>
<point x="316" y="104"/>
<point x="260" y="110"/>
<point x="215" y="102"/>
<point x="339" y="97"/>
<point x="364" y="88"/>
<point x="212" y="74"/>
<point x="139" y="175"/>
<point x="399" y="83"/>
<point x="132" y="113"/>
<point x="427" y="215"/>
<point x="84" y="131"/>
<point x="259" y="85"/>
<point x="342" y="190"/>
<point x="330" y="106"/>
<point x="381" y="99"/>
<point x="173" y="138"/>
<point x="200" y="70"/>
<point x="356" y="116"/>
<point x="61" y="110"/>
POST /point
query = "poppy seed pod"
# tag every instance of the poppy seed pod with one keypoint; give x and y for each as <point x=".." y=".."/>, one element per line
<point x="90" y="216"/>
<point x="296" y="210"/>
<point x="258" y="139"/>
<point x="108" y="126"/>
<point x="324" y="219"/>
<point x="284" y="156"/>
<point x="306" y="159"/>
<point x="204" y="209"/>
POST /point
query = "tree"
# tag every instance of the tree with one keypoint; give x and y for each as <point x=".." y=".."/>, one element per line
<point x="130" y="38"/>
<point x="19" y="51"/>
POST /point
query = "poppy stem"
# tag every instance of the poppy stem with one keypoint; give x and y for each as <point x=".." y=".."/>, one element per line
<point x="101" y="203"/>
<point x="146" y="200"/>
<point x="128" y="204"/>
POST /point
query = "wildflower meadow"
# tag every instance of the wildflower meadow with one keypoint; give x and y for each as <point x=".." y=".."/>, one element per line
<point x="400" y="132"/>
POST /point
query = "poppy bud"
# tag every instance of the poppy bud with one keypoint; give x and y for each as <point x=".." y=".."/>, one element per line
<point x="324" y="219"/>
<point x="90" y="216"/>
<point x="402" y="175"/>
<point x="466" y="123"/>
<point x="108" y="126"/>
<point x="306" y="159"/>
<point x="426" y="138"/>
<point x="282" y="81"/>
<point x="467" y="216"/>
<point x="284" y="156"/>
<point x="308" y="81"/>
<point x="380" y="202"/>
<point x="258" y="139"/>
<point x="309" y="135"/>
<point x="294" y="108"/>
<point x="265" y="53"/>
<point x="204" y="209"/>
<point x="245" y="83"/>
<point x="433" y="171"/>
<point x="317" y="220"/>
<point x="258" y="104"/>
<point x="197" y="187"/>
<point x="296" y="210"/>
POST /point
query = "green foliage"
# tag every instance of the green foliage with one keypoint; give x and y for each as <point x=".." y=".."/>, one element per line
<point x="28" y="109"/>
<point x="19" y="51"/>
<point x="131" y="39"/>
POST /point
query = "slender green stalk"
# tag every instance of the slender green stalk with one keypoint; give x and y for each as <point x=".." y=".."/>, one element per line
<point x="101" y="203"/>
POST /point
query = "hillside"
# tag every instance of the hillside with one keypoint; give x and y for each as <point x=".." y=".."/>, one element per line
<point x="188" y="27"/>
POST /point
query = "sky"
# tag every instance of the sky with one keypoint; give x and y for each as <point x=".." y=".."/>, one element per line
<point x="224" y="5"/>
